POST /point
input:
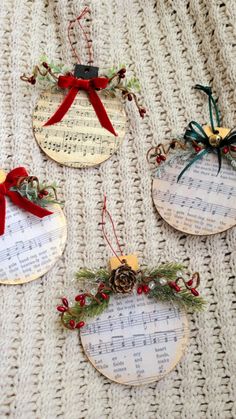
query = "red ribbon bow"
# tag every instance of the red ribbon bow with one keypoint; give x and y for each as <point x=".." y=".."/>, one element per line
<point x="10" y="181"/>
<point x="90" y="86"/>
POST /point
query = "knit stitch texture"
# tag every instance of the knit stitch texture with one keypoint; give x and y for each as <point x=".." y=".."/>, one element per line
<point x="170" y="46"/>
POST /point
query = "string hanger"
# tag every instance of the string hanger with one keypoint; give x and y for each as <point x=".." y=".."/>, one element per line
<point x="88" y="41"/>
<point x="105" y="213"/>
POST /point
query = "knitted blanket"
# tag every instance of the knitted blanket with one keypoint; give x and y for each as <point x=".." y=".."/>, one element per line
<point x="169" y="46"/>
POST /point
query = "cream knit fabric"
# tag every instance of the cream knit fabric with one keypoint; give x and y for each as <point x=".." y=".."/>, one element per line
<point x="169" y="46"/>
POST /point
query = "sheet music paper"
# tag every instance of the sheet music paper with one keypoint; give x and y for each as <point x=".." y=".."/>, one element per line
<point x="201" y="203"/>
<point x="136" y="340"/>
<point x="78" y="140"/>
<point x="30" y="245"/>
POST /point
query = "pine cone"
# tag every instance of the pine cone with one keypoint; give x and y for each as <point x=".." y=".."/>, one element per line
<point x="122" y="279"/>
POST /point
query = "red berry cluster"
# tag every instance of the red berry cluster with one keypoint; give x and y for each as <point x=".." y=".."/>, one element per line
<point x="81" y="298"/>
<point x="160" y="158"/>
<point x="142" y="112"/>
<point x="130" y="96"/>
<point x="188" y="285"/>
<point x="102" y="294"/>
<point x="32" y="80"/>
<point x="143" y="289"/>
<point x="121" y="73"/>
<point x="42" y="193"/>
<point x="225" y="149"/>
<point x="197" y="148"/>
<point x="45" y="65"/>
<point x="75" y="325"/>
<point x="64" y="309"/>
<point x="175" y="286"/>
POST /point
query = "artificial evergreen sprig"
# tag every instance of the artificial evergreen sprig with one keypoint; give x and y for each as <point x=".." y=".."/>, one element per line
<point x="166" y="282"/>
<point x="128" y="88"/>
<point x="40" y="194"/>
<point x="47" y="74"/>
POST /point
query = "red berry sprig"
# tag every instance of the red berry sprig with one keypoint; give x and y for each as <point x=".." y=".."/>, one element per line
<point x="160" y="152"/>
<point x="143" y="288"/>
<point x="125" y="91"/>
<point x="61" y="309"/>
<point x="66" y="309"/>
<point x="80" y="299"/>
<point x="225" y="149"/>
<point x="102" y="294"/>
<point x="142" y="112"/>
<point x="32" y="78"/>
<point x="160" y="158"/>
<point x="121" y="73"/>
<point x="174" y="286"/>
<point x="42" y="193"/>
<point x="74" y="325"/>
<point x="195" y="280"/>
<point x="197" y="148"/>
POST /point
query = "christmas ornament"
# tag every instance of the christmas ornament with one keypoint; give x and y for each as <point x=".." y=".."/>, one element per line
<point x="194" y="181"/>
<point x="133" y="321"/>
<point x="79" y="120"/>
<point x="32" y="227"/>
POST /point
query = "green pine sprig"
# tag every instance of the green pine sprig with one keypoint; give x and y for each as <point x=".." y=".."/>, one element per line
<point x="99" y="274"/>
<point x="167" y="270"/>
<point x="128" y="88"/>
<point x="184" y="298"/>
<point x="163" y="277"/>
<point x="78" y="313"/>
<point x="41" y="195"/>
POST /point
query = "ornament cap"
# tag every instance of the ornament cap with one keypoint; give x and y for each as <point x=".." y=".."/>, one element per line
<point x="222" y="132"/>
<point x="85" y="72"/>
<point x="130" y="260"/>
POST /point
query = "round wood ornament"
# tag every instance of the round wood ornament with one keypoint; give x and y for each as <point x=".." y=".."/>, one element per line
<point x="30" y="245"/>
<point x="136" y="340"/>
<point x="79" y="139"/>
<point x="202" y="202"/>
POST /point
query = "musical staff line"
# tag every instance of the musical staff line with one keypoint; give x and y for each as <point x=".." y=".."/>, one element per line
<point x="21" y="247"/>
<point x="132" y="320"/>
<point x="85" y="144"/>
<point x="194" y="203"/>
<point x="22" y="225"/>
<point x="119" y="343"/>
<point x="206" y="185"/>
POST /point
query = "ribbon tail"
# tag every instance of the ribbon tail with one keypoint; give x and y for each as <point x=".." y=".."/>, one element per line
<point x="197" y="157"/>
<point x="63" y="108"/>
<point x="219" y="160"/>
<point x="229" y="139"/>
<point x="27" y="205"/>
<point x="101" y="111"/>
<point x="2" y="214"/>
